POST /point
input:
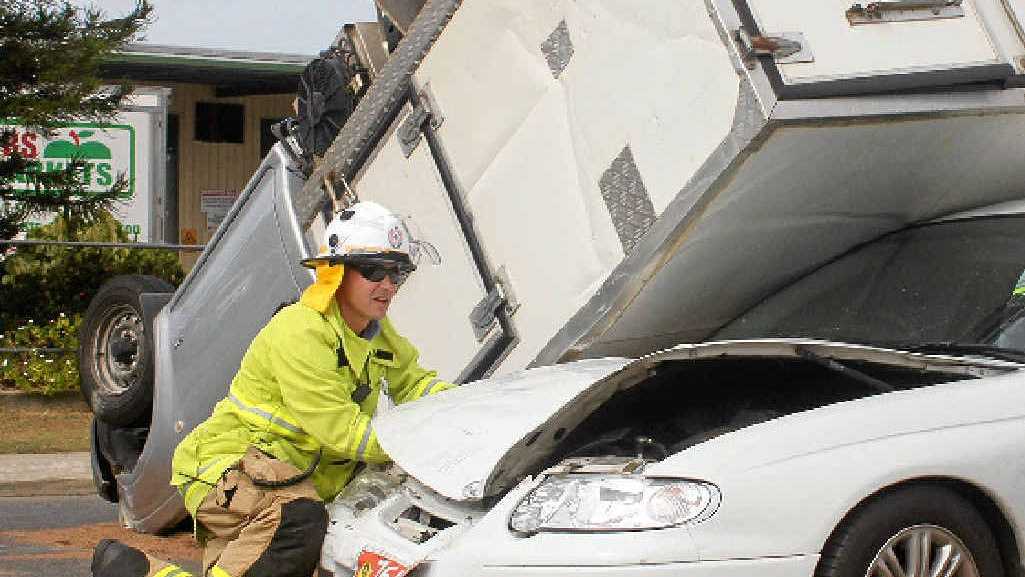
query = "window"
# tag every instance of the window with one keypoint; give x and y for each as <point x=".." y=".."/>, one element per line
<point x="950" y="281"/>
<point x="267" y="138"/>
<point x="217" y="122"/>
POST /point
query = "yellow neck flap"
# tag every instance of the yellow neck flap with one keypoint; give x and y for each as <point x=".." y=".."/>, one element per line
<point x="318" y="295"/>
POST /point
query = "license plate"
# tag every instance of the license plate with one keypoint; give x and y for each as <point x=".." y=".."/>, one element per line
<point x="371" y="564"/>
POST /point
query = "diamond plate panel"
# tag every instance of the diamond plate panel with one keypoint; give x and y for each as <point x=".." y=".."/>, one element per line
<point x="627" y="199"/>
<point x="558" y="49"/>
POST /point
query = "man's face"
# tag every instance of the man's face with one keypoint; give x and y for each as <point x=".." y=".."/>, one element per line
<point x="362" y="300"/>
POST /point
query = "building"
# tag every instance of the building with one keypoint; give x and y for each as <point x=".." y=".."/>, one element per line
<point x="219" y="106"/>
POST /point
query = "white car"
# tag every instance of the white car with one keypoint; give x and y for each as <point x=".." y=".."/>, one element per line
<point x="781" y="449"/>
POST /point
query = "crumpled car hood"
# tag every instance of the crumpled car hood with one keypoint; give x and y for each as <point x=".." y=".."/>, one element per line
<point x="451" y="441"/>
<point x="480" y="439"/>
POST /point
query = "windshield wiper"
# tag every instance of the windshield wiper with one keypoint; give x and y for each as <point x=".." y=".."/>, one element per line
<point x="956" y="348"/>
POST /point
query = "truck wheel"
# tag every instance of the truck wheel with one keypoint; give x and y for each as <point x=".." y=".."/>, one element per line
<point x="115" y="351"/>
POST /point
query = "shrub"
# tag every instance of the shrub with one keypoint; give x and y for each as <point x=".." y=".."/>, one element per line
<point x="45" y="289"/>
<point x="41" y="372"/>
<point x="41" y="282"/>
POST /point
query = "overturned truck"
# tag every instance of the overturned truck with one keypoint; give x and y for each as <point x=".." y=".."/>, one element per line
<point x="599" y="178"/>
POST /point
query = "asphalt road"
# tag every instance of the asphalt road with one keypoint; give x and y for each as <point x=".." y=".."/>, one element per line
<point x="55" y="536"/>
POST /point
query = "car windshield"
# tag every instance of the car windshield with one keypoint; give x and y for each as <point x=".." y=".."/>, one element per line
<point x="945" y="284"/>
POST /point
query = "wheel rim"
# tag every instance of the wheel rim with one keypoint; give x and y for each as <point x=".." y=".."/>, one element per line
<point x="119" y="346"/>
<point x="923" y="551"/>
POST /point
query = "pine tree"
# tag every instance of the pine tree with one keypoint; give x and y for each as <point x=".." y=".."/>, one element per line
<point x="50" y="57"/>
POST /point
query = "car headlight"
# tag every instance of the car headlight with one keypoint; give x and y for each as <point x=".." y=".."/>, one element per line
<point x="591" y="502"/>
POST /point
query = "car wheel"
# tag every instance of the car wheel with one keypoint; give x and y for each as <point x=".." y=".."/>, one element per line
<point x="913" y="532"/>
<point x="115" y="359"/>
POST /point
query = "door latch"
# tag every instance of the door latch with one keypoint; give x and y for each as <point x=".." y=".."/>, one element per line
<point x="784" y="47"/>
<point x="904" y="11"/>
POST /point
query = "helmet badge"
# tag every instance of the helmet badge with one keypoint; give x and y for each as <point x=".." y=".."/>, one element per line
<point x="395" y="236"/>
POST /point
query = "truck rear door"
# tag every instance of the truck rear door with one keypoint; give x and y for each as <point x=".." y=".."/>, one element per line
<point x="462" y="325"/>
<point x="841" y="47"/>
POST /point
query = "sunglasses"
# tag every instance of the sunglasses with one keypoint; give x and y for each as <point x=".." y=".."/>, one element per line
<point x="375" y="272"/>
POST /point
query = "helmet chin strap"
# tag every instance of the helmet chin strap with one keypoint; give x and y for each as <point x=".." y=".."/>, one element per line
<point x="350" y="196"/>
<point x="347" y="199"/>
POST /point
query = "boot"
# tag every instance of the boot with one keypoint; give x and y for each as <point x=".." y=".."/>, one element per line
<point x="113" y="558"/>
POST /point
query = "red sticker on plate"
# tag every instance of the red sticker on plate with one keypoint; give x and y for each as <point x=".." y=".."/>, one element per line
<point x="370" y="564"/>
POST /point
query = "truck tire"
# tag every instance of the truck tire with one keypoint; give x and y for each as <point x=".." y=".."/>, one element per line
<point x="115" y="351"/>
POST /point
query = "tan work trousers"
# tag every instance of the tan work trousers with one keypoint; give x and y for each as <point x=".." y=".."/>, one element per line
<point x="249" y="530"/>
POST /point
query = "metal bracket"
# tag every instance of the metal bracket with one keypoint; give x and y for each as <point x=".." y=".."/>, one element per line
<point x="410" y="132"/>
<point x="904" y="11"/>
<point x="784" y="47"/>
<point x="484" y="316"/>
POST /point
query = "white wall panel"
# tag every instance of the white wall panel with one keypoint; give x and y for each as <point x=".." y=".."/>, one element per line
<point x="529" y="146"/>
<point x="486" y="76"/>
<point x="535" y="223"/>
<point x="658" y="79"/>
<point x="432" y="309"/>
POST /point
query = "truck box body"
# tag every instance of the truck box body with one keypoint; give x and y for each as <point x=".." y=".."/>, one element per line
<point x="617" y="163"/>
<point x="610" y="178"/>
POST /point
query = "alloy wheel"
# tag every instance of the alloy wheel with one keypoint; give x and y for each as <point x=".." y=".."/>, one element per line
<point x="923" y="551"/>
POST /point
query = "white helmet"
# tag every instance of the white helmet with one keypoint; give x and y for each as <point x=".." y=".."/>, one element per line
<point x="366" y="231"/>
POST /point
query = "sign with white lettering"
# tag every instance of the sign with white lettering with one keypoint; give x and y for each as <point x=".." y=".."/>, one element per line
<point x="107" y="152"/>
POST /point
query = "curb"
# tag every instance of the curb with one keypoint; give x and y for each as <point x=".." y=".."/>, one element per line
<point x="46" y="475"/>
<point x="48" y="488"/>
<point x="49" y="474"/>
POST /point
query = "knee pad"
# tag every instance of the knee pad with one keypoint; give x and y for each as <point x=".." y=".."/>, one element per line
<point x="294" y="550"/>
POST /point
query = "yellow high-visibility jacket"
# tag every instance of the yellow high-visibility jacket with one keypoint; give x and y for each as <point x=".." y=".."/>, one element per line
<point x="307" y="384"/>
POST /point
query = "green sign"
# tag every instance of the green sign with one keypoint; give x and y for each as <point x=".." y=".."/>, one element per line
<point x="106" y="151"/>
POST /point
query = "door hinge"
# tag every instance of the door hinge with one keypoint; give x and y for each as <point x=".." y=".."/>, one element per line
<point x="784" y="47"/>
<point x="904" y="11"/>
<point x="410" y="132"/>
<point x="484" y="316"/>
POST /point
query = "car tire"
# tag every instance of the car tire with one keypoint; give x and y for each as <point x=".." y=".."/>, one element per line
<point x="115" y="356"/>
<point x="893" y="527"/>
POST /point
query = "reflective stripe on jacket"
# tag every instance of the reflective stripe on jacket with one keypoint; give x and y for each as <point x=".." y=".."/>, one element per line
<point x="297" y="394"/>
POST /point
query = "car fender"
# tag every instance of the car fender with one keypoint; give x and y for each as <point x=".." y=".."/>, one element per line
<point x="787" y="502"/>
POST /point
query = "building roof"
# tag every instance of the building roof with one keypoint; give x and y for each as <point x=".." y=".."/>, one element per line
<point x="233" y="73"/>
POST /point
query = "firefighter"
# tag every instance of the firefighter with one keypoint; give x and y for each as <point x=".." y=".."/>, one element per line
<point x="296" y="423"/>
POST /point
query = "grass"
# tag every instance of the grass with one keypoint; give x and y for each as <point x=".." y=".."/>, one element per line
<point x="31" y="424"/>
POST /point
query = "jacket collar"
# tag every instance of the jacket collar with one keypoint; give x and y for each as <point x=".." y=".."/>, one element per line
<point x="372" y="330"/>
<point x="357" y="348"/>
